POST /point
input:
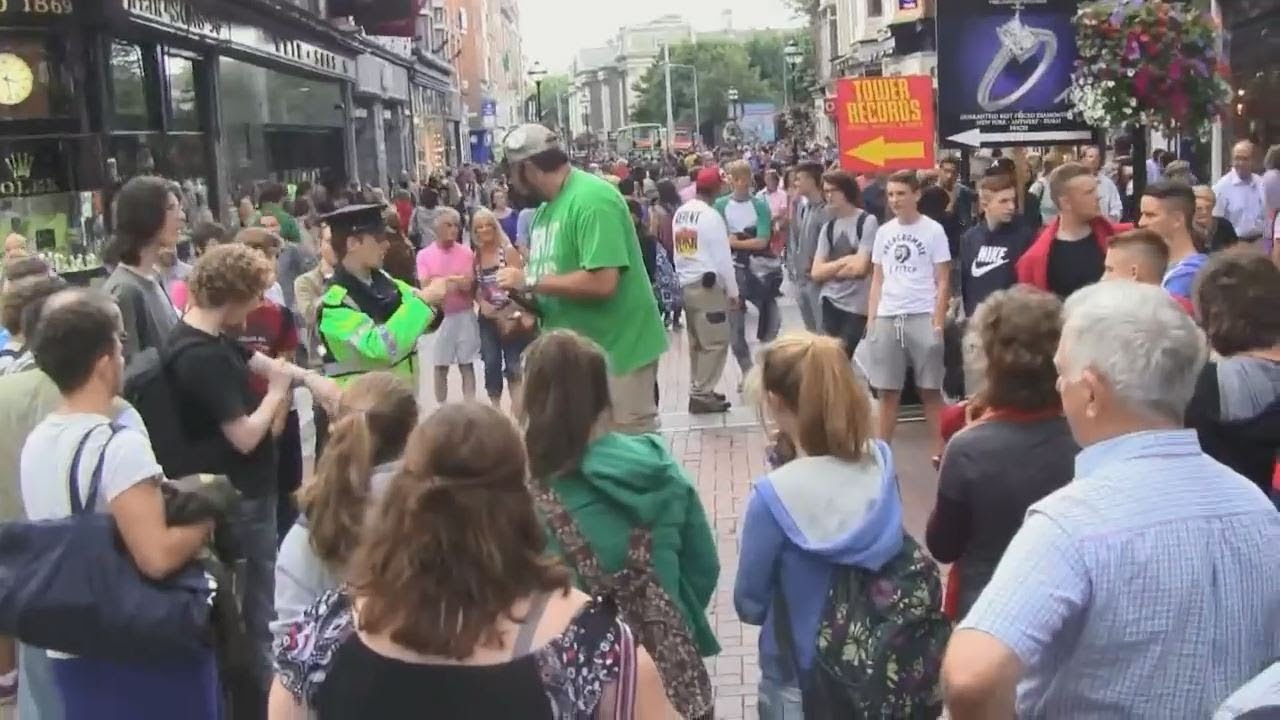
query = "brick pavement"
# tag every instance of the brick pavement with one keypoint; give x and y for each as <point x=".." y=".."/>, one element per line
<point x="724" y="461"/>
<point x="724" y="454"/>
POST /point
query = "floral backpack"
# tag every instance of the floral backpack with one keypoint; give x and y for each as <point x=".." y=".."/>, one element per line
<point x="666" y="287"/>
<point x="880" y="642"/>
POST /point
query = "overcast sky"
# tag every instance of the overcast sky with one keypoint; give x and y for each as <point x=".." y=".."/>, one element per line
<point x="552" y="31"/>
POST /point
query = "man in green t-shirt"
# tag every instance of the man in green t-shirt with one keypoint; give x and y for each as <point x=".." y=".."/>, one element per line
<point x="586" y="270"/>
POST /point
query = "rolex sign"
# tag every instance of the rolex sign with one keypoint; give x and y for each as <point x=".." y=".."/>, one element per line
<point x="31" y="168"/>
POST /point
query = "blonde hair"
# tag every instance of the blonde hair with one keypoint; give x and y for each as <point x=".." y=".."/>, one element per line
<point x="811" y="376"/>
<point x="487" y="214"/>
<point x="738" y="169"/>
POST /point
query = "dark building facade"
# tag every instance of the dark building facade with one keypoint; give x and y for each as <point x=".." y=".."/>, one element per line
<point x="218" y="95"/>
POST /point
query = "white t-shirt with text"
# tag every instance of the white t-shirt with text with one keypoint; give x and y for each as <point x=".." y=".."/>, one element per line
<point x="907" y="255"/>
<point x="701" y="241"/>
<point x="51" y="446"/>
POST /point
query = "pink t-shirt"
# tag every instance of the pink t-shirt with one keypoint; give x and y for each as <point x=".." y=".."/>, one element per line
<point x="435" y="261"/>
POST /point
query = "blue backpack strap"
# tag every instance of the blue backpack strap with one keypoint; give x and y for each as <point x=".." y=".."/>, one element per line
<point x="95" y="480"/>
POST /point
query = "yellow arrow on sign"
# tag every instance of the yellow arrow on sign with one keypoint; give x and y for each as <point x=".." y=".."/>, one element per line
<point x="877" y="151"/>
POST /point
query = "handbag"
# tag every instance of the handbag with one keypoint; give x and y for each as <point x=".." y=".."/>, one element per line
<point x="69" y="585"/>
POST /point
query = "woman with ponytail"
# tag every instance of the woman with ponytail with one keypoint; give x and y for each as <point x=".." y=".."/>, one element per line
<point x="831" y="501"/>
<point x="454" y="609"/>
<point x="366" y="439"/>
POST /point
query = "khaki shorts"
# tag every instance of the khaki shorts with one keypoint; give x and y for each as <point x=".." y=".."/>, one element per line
<point x="635" y="405"/>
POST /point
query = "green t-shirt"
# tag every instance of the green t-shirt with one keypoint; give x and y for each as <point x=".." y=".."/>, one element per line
<point x="588" y="227"/>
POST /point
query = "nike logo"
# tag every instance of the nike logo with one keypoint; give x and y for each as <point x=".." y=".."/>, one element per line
<point x="989" y="258"/>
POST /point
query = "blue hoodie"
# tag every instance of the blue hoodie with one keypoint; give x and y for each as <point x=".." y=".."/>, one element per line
<point x="802" y="520"/>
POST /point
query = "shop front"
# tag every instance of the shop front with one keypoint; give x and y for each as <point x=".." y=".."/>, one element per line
<point x="383" y="119"/>
<point x="51" y="179"/>
<point x="1253" y="53"/>
<point x="430" y="99"/>
<point x="249" y="97"/>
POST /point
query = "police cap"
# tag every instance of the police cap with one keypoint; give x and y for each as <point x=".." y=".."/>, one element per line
<point x="356" y="219"/>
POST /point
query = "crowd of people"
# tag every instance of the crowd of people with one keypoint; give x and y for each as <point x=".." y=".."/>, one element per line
<point x="1104" y="401"/>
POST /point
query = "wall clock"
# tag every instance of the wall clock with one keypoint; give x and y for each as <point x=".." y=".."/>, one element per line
<point x="16" y="79"/>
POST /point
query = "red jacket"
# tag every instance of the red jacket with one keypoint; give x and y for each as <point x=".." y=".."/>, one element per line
<point x="1033" y="266"/>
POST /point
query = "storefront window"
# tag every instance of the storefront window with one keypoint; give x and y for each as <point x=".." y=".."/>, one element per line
<point x="129" y="87"/>
<point x="38" y="82"/>
<point x="279" y="127"/>
<point x="43" y="197"/>
<point x="180" y="72"/>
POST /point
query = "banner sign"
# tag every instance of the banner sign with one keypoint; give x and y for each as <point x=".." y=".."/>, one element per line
<point x="1004" y="70"/>
<point x="885" y="123"/>
<point x="34" y="167"/>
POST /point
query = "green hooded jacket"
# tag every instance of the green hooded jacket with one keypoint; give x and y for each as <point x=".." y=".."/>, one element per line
<point x="627" y="481"/>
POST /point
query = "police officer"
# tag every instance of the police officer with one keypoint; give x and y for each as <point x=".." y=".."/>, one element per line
<point x="367" y="320"/>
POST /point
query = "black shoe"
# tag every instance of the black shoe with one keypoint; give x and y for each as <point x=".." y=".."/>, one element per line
<point x="707" y="406"/>
<point x="720" y="396"/>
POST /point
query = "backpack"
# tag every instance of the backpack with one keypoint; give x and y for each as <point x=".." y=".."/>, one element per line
<point x="151" y="390"/>
<point x="652" y="615"/>
<point x="830" y="231"/>
<point x="880" y="641"/>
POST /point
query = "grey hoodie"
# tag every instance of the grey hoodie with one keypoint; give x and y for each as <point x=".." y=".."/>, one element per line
<point x="811" y="216"/>
<point x="301" y="577"/>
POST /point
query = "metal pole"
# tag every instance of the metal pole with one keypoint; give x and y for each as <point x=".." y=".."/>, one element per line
<point x="697" y="112"/>
<point x="786" y="96"/>
<point x="538" y="103"/>
<point x="666" y="65"/>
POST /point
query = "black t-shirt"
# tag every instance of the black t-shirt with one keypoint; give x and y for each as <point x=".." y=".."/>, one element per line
<point x="1074" y="264"/>
<point x="212" y="382"/>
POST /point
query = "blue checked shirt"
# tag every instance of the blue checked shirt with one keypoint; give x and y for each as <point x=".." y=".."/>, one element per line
<point x="1149" y="587"/>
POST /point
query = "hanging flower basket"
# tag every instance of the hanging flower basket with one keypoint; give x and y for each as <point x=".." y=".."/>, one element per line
<point x="1154" y="63"/>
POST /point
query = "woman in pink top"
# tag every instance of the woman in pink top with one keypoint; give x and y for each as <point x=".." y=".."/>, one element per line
<point x="457" y="341"/>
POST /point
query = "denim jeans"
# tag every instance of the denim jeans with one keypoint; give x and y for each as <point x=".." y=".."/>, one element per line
<point x="501" y="357"/>
<point x="254" y="526"/>
<point x="37" y="691"/>
<point x="764" y="296"/>
<point x="779" y="701"/>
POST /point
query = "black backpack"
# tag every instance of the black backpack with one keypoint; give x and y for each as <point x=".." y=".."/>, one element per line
<point x="150" y="387"/>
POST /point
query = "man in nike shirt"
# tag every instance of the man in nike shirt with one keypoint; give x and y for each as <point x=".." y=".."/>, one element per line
<point x="990" y="250"/>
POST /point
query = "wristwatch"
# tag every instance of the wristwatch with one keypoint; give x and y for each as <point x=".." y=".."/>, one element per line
<point x="529" y="284"/>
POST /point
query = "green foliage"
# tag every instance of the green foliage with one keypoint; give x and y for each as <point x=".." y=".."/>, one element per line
<point x="721" y="65"/>
<point x="767" y="53"/>
<point x="552" y="86"/>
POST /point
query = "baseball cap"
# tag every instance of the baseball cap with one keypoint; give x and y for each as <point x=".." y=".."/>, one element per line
<point x="708" y="179"/>
<point x="525" y="141"/>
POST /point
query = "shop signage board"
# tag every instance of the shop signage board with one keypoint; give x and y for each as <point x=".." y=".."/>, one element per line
<point x="180" y="16"/>
<point x="885" y="123"/>
<point x="1004" y="70"/>
<point x="32" y="168"/>
<point x="35" y="9"/>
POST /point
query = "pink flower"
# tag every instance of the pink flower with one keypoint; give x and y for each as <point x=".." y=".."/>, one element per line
<point x="1142" y="83"/>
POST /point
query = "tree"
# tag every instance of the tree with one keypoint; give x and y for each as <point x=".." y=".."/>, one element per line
<point x="721" y="65"/>
<point x="768" y="55"/>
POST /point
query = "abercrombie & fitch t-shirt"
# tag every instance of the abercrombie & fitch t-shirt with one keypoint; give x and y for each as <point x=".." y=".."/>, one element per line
<point x="907" y="254"/>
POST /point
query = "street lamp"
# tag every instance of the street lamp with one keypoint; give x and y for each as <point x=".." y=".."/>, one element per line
<point x="536" y="73"/>
<point x="733" y="103"/>
<point x="793" y="56"/>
